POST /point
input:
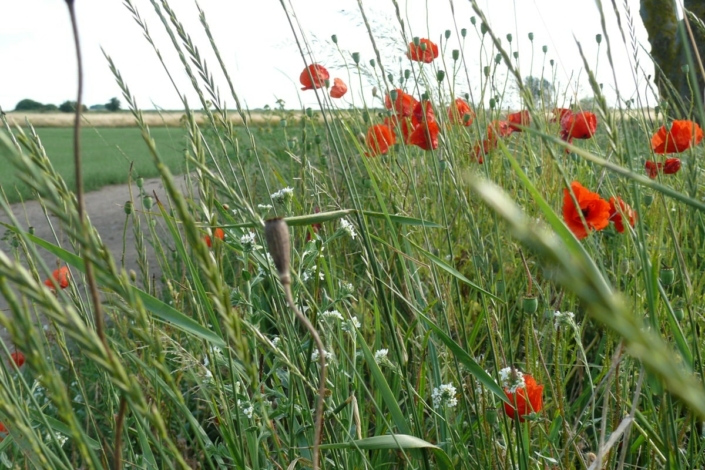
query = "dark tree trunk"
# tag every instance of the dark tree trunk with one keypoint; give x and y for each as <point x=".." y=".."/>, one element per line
<point x="667" y="48"/>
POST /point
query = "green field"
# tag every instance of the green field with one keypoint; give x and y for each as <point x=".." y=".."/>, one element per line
<point x="107" y="155"/>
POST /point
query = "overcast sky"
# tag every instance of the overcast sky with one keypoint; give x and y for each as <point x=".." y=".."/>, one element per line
<point x="256" y="43"/>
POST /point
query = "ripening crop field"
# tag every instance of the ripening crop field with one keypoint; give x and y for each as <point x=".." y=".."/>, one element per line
<point x="429" y="279"/>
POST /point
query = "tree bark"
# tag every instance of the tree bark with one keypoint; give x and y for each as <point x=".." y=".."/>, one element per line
<point x="668" y="50"/>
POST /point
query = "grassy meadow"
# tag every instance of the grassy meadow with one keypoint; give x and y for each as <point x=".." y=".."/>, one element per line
<point x="454" y="285"/>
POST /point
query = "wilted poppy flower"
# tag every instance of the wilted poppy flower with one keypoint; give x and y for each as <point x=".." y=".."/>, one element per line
<point x="652" y="168"/>
<point x="580" y="125"/>
<point x="338" y="89"/>
<point x="313" y="76"/>
<point x="616" y="213"/>
<point x="522" y="118"/>
<point x="560" y="113"/>
<point x="18" y="358"/>
<point x="526" y="400"/>
<point x="403" y="105"/>
<point x="379" y="139"/>
<point x="404" y="124"/>
<point x="61" y="276"/>
<point x="426" y="51"/>
<point x="425" y="136"/>
<point x="592" y="207"/>
<point x="217" y="233"/>
<point x="458" y="111"/>
<point x="681" y="137"/>
<point x="423" y="113"/>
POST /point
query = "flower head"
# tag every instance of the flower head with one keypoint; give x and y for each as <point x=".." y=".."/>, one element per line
<point x="522" y="118"/>
<point x="313" y="76"/>
<point x="497" y="129"/>
<point x="591" y="206"/>
<point x="425" y="51"/>
<point x="423" y="113"/>
<point x="403" y="104"/>
<point x="381" y="355"/>
<point x="60" y="276"/>
<point x="582" y="125"/>
<point x="18" y="358"/>
<point x="617" y="212"/>
<point x="348" y="228"/>
<point x="524" y="400"/>
<point x="444" y="395"/>
<point x="404" y="124"/>
<point x="425" y="136"/>
<point x="669" y="167"/>
<point x="248" y="241"/>
<point x="511" y="378"/>
<point x="460" y="113"/>
<point x="379" y="139"/>
<point x="338" y="89"/>
<point x="681" y="137"/>
<point x="283" y="195"/>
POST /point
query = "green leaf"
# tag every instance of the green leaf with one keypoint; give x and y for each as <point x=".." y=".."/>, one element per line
<point x="394" y="441"/>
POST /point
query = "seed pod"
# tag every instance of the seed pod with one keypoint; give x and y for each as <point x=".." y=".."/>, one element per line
<point x="530" y="305"/>
<point x="276" y="231"/>
<point x="128" y="207"/>
<point x="147" y="202"/>
<point x="666" y="276"/>
<point x="356" y="57"/>
<point x="140" y="182"/>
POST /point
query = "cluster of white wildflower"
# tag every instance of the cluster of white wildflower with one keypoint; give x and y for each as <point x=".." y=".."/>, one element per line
<point x="347" y="227"/>
<point x="444" y="396"/>
<point x="264" y="207"/>
<point x="247" y="408"/>
<point x="275" y="341"/>
<point x="283" y="195"/>
<point x="316" y="355"/>
<point x="248" y="241"/>
<point x="511" y="379"/>
<point x="332" y="314"/>
<point x="347" y="287"/>
<point x="563" y="319"/>
<point x="351" y="325"/>
<point x="60" y="438"/>
<point x="310" y="274"/>
<point x="381" y="355"/>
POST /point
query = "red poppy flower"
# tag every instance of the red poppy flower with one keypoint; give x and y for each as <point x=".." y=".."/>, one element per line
<point x="313" y="76"/>
<point x="481" y="149"/>
<point x="18" y="358"/>
<point x="522" y="118"/>
<point x="218" y="233"/>
<point x="497" y="129"/>
<point x="457" y="112"/>
<point x="593" y="208"/>
<point x="402" y="123"/>
<point x="426" y="51"/>
<point x="525" y="400"/>
<point x="314" y="227"/>
<point x="616" y="215"/>
<point x="580" y="125"/>
<point x="681" y="137"/>
<point x="3" y="432"/>
<point x="423" y="113"/>
<point x="560" y="113"/>
<point x="379" y="139"/>
<point x="338" y="89"/>
<point x="425" y="136"/>
<point x="61" y="277"/>
<point x="652" y="168"/>
<point x="672" y="166"/>
<point x="403" y="105"/>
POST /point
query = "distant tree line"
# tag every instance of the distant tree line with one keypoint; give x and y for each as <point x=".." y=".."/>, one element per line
<point x="65" y="107"/>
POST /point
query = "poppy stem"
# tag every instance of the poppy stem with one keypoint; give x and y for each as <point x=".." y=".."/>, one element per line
<point x="528" y="273"/>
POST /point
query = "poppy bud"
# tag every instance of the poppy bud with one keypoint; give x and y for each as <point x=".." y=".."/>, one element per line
<point x="424" y="96"/>
<point x="467" y="96"/>
<point x="440" y="75"/>
<point x="31" y="230"/>
<point x="531" y="36"/>
<point x="334" y="38"/>
<point x="393" y="95"/>
<point x="598" y="38"/>
<point x="678" y="313"/>
<point x="356" y="57"/>
<point x="544" y="49"/>
<point x="551" y="62"/>
<point x="509" y="38"/>
<point x="486" y="70"/>
<point x="416" y="41"/>
<point x="372" y="62"/>
<point x="374" y="91"/>
<point x="492" y="103"/>
<point x="472" y="20"/>
<point x="483" y="28"/>
<point x="447" y="33"/>
<point x="282" y="123"/>
<point x="648" y="199"/>
<point x="456" y="54"/>
<point x="128" y="207"/>
<point x="515" y="54"/>
<point x="423" y="46"/>
<point x="666" y="276"/>
<point x="407" y="74"/>
<point x="685" y="68"/>
<point x="133" y="275"/>
<point x="309" y="112"/>
<point x="498" y="59"/>
<point x="491" y="416"/>
<point x="500" y="287"/>
<point x="317" y="139"/>
<point x="147" y="202"/>
<point x="326" y="83"/>
<point x="366" y="116"/>
<point x="529" y="305"/>
<point x="390" y="77"/>
<point x="277" y="234"/>
<point x="140" y="182"/>
<point x="538" y="170"/>
<point x="466" y="118"/>
<point x="463" y="32"/>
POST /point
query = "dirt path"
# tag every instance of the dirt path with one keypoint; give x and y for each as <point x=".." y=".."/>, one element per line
<point x="105" y="208"/>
